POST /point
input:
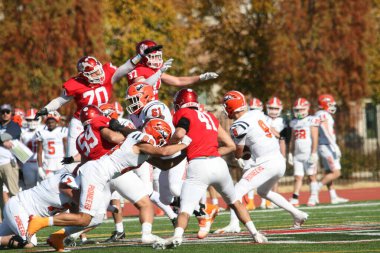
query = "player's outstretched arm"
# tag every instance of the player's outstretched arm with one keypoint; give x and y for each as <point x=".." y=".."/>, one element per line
<point x="167" y="163"/>
<point x="161" y="151"/>
<point x="112" y="136"/>
<point x="229" y="145"/>
<point x="180" y="81"/>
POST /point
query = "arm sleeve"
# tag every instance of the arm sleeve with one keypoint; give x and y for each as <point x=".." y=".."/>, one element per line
<point x="152" y="80"/>
<point x="184" y="123"/>
<point x="121" y="71"/>
<point x="56" y="103"/>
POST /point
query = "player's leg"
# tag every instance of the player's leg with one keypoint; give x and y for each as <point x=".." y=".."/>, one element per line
<point x="74" y="129"/>
<point x="298" y="177"/>
<point x="118" y="233"/>
<point x="311" y="172"/>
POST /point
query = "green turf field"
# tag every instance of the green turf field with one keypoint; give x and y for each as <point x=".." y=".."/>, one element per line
<point x="351" y="227"/>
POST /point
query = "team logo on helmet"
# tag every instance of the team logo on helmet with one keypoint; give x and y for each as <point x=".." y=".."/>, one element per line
<point x="227" y="97"/>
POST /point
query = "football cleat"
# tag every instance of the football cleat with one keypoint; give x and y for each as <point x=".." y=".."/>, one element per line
<point x="150" y="238"/>
<point x="69" y="242"/>
<point x="299" y="220"/>
<point x="206" y="221"/>
<point x="294" y="202"/>
<point x="313" y="201"/>
<point x="116" y="236"/>
<point x="229" y="229"/>
<point x="169" y="243"/>
<point x="88" y="242"/>
<point x="37" y="223"/>
<point x="259" y="238"/>
<point x="338" y="200"/>
<point x="55" y="240"/>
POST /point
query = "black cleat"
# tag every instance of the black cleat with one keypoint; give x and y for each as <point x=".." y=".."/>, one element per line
<point x="116" y="236"/>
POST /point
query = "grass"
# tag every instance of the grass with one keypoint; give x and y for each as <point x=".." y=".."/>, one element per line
<point x="352" y="227"/>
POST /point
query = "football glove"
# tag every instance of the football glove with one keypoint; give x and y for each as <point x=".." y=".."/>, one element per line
<point x="41" y="173"/>
<point x="290" y="159"/>
<point x="208" y="76"/>
<point x="167" y="65"/>
<point x="67" y="160"/>
<point x="41" y="112"/>
<point x="313" y="158"/>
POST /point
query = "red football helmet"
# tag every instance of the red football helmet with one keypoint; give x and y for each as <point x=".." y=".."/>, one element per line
<point x="54" y="115"/>
<point x="138" y="95"/>
<point x="301" y="108"/>
<point x="119" y="109"/>
<point x="152" y="60"/>
<point x="185" y="98"/>
<point x="327" y="103"/>
<point x="159" y="129"/>
<point x="255" y="104"/>
<point x="90" y="69"/>
<point x="109" y="111"/>
<point x="233" y="101"/>
<point x="274" y="107"/>
<point x="30" y="118"/>
<point x="88" y="113"/>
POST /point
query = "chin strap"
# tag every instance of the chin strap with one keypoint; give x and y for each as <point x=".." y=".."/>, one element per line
<point x="17" y="239"/>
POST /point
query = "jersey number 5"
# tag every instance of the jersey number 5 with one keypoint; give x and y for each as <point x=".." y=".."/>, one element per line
<point x="205" y="118"/>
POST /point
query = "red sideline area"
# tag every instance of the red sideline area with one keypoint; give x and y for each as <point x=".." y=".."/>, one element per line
<point x="360" y="194"/>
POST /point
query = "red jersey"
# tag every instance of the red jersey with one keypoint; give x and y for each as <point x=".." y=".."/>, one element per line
<point x="90" y="143"/>
<point x="203" y="130"/>
<point x="143" y="71"/>
<point x="85" y="94"/>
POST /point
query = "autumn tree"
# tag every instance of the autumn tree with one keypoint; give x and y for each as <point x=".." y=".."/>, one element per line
<point x="41" y="42"/>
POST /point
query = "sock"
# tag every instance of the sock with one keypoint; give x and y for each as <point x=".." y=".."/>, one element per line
<point x="155" y="197"/>
<point x="320" y="185"/>
<point x="203" y="199"/>
<point x="119" y="227"/>
<point x="146" y="228"/>
<point x="251" y="227"/>
<point x="282" y="202"/>
<point x="215" y="201"/>
<point x="50" y="221"/>
<point x="295" y="196"/>
<point x="234" y="220"/>
<point x="83" y="238"/>
<point x="333" y="194"/>
<point x="251" y="194"/>
<point x="74" y="231"/>
<point x="178" y="232"/>
<point x="314" y="188"/>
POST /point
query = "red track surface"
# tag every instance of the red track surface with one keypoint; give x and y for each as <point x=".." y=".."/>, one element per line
<point x="361" y="194"/>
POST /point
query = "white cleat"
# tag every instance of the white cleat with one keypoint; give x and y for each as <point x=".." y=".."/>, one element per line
<point x="150" y="238"/>
<point x="260" y="238"/>
<point x="338" y="200"/>
<point x="313" y="201"/>
<point x="299" y="220"/>
<point x="172" y="242"/>
<point x="229" y="229"/>
<point x="294" y="202"/>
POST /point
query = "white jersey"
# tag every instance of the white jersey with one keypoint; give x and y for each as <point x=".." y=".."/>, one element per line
<point x="154" y="109"/>
<point x="252" y="130"/>
<point x="325" y="116"/>
<point x="45" y="199"/>
<point x="278" y="123"/>
<point x="302" y="136"/>
<point x="126" y="122"/>
<point x="52" y="142"/>
<point x="123" y="157"/>
<point x="29" y="138"/>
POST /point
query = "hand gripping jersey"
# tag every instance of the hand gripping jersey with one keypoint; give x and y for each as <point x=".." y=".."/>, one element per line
<point x="90" y="143"/>
<point x="122" y="158"/>
<point x="45" y="199"/>
<point x="52" y="143"/>
<point x="203" y="130"/>
<point x="324" y="116"/>
<point x="302" y="136"/>
<point x="252" y="130"/>
<point x="85" y="94"/>
<point x="153" y="109"/>
<point x="143" y="71"/>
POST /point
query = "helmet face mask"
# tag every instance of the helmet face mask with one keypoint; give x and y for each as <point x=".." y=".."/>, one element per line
<point x="152" y="60"/>
<point x="327" y="103"/>
<point x="138" y="95"/>
<point x="91" y="70"/>
<point x="274" y="107"/>
<point x="300" y="113"/>
<point x="109" y="111"/>
<point x="255" y="104"/>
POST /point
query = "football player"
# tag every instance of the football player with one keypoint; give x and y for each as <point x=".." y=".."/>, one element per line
<point x="304" y="143"/>
<point x="267" y="163"/>
<point x="51" y="146"/>
<point x="137" y="148"/>
<point x="93" y="85"/>
<point x="29" y="138"/>
<point x="206" y="167"/>
<point x="150" y="66"/>
<point x="328" y="149"/>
